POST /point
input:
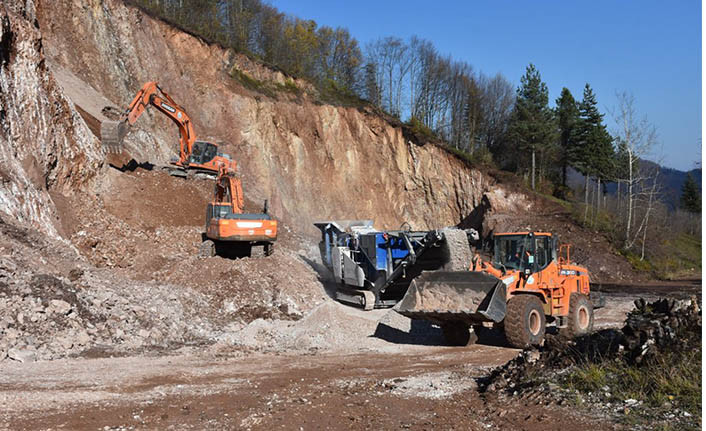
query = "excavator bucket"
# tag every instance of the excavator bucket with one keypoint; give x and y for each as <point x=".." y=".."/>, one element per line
<point x="458" y="296"/>
<point x="112" y="134"/>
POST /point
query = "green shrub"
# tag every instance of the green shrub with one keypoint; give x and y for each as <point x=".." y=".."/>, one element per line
<point x="289" y="86"/>
<point x="418" y="128"/>
<point x="332" y="93"/>
<point x="250" y="83"/>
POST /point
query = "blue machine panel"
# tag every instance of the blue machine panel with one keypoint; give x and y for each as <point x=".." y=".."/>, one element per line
<point x="396" y="248"/>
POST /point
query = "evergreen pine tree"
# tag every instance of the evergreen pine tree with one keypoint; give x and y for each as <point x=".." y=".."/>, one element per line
<point x="567" y="114"/>
<point x="593" y="153"/>
<point x="532" y="122"/>
<point x="690" y="195"/>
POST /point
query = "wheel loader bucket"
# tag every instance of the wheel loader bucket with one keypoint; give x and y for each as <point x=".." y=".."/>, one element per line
<point x="458" y="296"/>
<point x="112" y="134"/>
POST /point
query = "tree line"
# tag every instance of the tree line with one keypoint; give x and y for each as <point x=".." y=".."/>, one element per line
<point x="328" y="57"/>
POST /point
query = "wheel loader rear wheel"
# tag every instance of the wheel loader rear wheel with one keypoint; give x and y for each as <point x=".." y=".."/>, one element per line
<point x="525" y="322"/>
<point x="580" y="318"/>
<point x="459" y="334"/>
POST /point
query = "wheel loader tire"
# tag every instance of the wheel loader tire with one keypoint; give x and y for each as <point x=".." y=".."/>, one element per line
<point x="207" y="249"/>
<point x="525" y="322"/>
<point x="459" y="334"/>
<point x="580" y="318"/>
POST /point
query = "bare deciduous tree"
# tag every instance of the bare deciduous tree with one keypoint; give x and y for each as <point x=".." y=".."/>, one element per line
<point x="635" y="138"/>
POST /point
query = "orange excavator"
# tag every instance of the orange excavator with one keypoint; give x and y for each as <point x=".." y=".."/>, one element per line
<point x="194" y="156"/>
<point x="229" y="231"/>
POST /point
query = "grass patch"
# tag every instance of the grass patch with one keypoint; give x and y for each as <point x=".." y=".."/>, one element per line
<point x="674" y="258"/>
<point x="419" y="129"/>
<point x="289" y="86"/>
<point x="670" y="381"/>
<point x="251" y="83"/>
<point x="334" y="94"/>
<point x="568" y="206"/>
<point x="678" y="257"/>
<point x="642" y="265"/>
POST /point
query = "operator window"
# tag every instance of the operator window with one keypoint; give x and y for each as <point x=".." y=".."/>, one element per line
<point x="542" y="251"/>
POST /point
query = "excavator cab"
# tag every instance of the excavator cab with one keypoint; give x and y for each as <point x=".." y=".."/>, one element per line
<point x="203" y="152"/>
<point x="229" y="230"/>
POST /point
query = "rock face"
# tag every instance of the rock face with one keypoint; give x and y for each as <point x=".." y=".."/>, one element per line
<point x="44" y="146"/>
<point x="311" y="161"/>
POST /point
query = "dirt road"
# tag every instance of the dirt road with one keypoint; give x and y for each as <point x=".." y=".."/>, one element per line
<point x="384" y="385"/>
<point x="425" y="388"/>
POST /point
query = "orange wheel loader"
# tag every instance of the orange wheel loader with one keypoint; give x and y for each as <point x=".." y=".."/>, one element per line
<point x="525" y="286"/>
<point x="194" y="156"/>
<point x="229" y="231"/>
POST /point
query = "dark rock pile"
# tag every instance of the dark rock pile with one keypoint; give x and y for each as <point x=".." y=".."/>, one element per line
<point x="665" y="324"/>
<point x="653" y="333"/>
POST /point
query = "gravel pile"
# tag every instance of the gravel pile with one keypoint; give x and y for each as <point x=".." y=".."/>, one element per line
<point x="47" y="317"/>
<point x="99" y="297"/>
<point x="328" y="326"/>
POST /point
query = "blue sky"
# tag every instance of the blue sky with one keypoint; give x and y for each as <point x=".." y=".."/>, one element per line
<point x="649" y="48"/>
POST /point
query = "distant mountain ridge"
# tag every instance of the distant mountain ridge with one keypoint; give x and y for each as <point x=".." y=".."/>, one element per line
<point x="670" y="180"/>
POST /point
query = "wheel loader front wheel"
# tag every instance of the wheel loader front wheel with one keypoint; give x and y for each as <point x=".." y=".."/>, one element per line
<point x="525" y="322"/>
<point x="580" y="318"/>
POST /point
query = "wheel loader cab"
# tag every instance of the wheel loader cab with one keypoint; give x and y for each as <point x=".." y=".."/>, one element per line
<point x="511" y="252"/>
<point x="526" y="252"/>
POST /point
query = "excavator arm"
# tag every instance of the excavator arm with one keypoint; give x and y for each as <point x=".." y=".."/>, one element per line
<point x="152" y="94"/>
<point x="229" y="189"/>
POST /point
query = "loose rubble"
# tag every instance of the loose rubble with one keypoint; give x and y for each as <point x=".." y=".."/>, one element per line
<point x="652" y="329"/>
